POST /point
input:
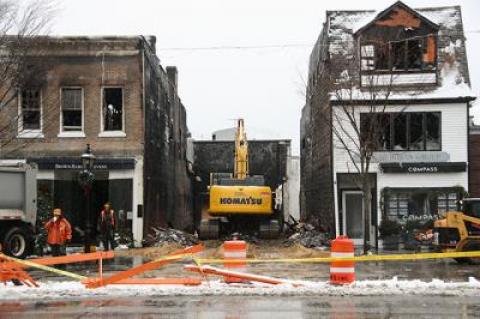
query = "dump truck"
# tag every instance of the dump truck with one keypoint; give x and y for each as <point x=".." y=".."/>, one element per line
<point x="460" y="230"/>
<point x="18" y="209"/>
<point x="239" y="202"/>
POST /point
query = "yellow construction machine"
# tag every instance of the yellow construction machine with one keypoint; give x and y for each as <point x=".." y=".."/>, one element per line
<point x="240" y="203"/>
<point x="460" y="230"/>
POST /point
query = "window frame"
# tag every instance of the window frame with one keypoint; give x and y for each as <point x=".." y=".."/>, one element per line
<point x="117" y="133"/>
<point x="423" y="69"/>
<point x="450" y="203"/>
<point x="393" y="115"/>
<point x="29" y="133"/>
<point x="62" y="132"/>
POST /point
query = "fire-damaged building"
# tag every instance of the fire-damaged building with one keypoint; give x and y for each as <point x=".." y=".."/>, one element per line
<point x="401" y="73"/>
<point x="111" y="93"/>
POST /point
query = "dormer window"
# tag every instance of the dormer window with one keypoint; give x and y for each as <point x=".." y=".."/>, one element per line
<point x="407" y="55"/>
<point x="398" y="48"/>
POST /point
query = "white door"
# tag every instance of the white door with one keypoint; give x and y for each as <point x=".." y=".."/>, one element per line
<point x="353" y="219"/>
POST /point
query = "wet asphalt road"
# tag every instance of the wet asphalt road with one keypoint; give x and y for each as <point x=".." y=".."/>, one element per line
<point x="270" y="307"/>
<point x="239" y="307"/>
<point x="426" y="270"/>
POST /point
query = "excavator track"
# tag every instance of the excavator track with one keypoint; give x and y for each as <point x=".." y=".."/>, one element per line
<point x="209" y="229"/>
<point x="269" y="229"/>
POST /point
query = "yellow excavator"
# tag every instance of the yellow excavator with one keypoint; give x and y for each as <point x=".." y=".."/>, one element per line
<point x="460" y="230"/>
<point x="240" y="203"/>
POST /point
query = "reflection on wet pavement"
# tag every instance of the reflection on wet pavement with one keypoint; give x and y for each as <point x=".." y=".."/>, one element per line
<point x="426" y="270"/>
<point x="237" y="307"/>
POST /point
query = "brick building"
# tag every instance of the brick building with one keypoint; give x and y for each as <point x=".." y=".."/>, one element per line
<point x="112" y="93"/>
<point x="408" y="75"/>
<point x="474" y="160"/>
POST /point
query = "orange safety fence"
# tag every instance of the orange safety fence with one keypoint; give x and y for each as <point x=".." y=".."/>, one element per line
<point x="175" y="256"/>
<point x="69" y="259"/>
<point x="208" y="270"/>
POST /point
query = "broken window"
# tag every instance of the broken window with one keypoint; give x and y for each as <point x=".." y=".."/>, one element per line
<point x="382" y="59"/>
<point x="430" y="49"/>
<point x="30" y="102"/>
<point x="399" y="132"/>
<point x="398" y="52"/>
<point x="432" y="138"/>
<point x="402" y="131"/>
<point x="367" y="53"/>
<point x="416" y="132"/>
<point x="375" y="131"/>
<point x="72" y="109"/>
<point x="112" y="109"/>
<point x="412" y="54"/>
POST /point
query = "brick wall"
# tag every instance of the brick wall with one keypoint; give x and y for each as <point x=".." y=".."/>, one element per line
<point x="474" y="164"/>
<point x="90" y="66"/>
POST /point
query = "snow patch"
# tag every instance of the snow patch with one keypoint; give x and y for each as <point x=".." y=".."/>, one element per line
<point x="75" y="290"/>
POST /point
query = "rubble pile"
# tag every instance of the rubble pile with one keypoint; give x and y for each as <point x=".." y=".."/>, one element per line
<point x="307" y="235"/>
<point x="249" y="238"/>
<point x="160" y="236"/>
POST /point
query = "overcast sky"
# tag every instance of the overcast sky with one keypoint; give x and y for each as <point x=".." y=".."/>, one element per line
<point x="262" y="85"/>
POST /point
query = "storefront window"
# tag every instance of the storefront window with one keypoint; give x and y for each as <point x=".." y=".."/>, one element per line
<point x="419" y="204"/>
<point x="447" y="202"/>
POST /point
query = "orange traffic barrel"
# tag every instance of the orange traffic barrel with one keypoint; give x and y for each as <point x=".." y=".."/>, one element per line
<point x="235" y="253"/>
<point x="342" y="272"/>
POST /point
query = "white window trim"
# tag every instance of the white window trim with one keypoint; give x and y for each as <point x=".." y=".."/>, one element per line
<point x="26" y="133"/>
<point x="71" y="134"/>
<point x="63" y="133"/>
<point x="104" y="133"/>
<point x="112" y="134"/>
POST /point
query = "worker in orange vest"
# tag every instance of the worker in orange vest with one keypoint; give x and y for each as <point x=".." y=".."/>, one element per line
<point x="107" y="226"/>
<point x="59" y="233"/>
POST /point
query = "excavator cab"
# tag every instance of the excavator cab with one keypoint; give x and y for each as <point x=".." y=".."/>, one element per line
<point x="460" y="230"/>
<point x="471" y="208"/>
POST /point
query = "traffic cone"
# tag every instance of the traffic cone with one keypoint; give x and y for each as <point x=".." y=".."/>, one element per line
<point x="342" y="272"/>
<point x="235" y="250"/>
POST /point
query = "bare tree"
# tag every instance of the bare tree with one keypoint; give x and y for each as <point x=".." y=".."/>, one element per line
<point x="23" y="29"/>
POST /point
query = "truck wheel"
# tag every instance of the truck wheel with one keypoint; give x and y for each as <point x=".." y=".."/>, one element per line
<point x="17" y="242"/>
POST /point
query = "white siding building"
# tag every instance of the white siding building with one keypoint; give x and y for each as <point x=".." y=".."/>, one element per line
<point x="393" y="84"/>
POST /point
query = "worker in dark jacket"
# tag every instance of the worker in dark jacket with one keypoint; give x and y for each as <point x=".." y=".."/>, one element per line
<point x="107" y="226"/>
<point x="59" y="233"/>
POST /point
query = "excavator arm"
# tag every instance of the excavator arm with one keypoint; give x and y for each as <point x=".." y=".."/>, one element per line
<point x="241" y="152"/>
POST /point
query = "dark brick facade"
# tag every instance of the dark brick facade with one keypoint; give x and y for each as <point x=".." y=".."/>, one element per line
<point x="316" y="183"/>
<point x="155" y="129"/>
<point x="474" y="162"/>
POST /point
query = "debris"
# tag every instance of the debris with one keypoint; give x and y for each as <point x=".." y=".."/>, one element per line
<point x="160" y="236"/>
<point x="307" y="236"/>
<point x="250" y="238"/>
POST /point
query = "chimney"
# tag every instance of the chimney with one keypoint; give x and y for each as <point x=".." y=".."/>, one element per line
<point x="172" y="75"/>
<point x="152" y="42"/>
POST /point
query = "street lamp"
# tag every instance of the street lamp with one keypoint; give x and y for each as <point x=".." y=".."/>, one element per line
<point x="86" y="178"/>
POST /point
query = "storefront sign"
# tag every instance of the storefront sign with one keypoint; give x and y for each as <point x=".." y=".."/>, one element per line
<point x="411" y="157"/>
<point x="75" y="164"/>
<point x="413" y="168"/>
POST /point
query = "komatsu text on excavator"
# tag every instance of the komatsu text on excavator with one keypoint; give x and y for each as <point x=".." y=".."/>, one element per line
<point x="240" y="203"/>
